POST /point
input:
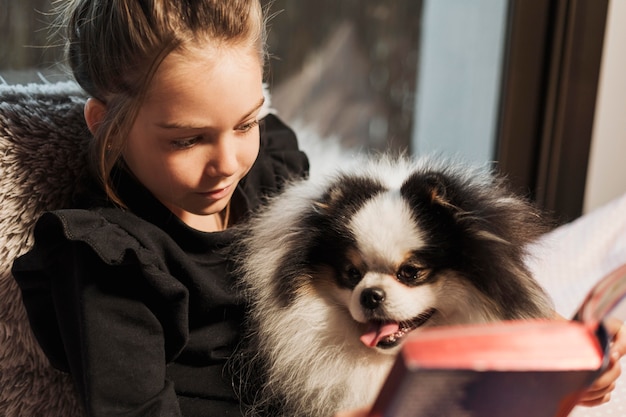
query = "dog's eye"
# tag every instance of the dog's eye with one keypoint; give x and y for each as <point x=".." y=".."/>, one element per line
<point x="353" y="274"/>
<point x="409" y="273"/>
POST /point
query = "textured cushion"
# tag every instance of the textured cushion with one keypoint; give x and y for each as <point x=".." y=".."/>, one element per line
<point x="43" y="139"/>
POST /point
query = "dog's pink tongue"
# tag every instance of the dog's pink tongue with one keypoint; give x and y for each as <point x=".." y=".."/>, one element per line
<point x="378" y="331"/>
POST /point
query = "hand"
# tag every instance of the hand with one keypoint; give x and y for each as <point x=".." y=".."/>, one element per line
<point x="600" y="391"/>
<point x="361" y="412"/>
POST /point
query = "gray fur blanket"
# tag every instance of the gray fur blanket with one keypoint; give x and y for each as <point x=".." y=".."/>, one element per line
<point x="42" y="147"/>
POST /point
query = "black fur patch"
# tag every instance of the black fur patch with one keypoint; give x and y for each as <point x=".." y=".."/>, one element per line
<point x="323" y="238"/>
<point x="428" y="197"/>
<point x="471" y="231"/>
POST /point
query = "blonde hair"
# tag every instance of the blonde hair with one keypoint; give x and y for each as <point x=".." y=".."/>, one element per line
<point x="114" y="47"/>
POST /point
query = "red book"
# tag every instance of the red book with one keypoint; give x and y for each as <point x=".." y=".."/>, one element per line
<point x="519" y="368"/>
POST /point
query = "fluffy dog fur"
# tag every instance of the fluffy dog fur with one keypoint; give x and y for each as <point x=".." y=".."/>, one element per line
<point x="339" y="269"/>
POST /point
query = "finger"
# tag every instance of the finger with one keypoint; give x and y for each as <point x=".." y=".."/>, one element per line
<point x="362" y="412"/>
<point x="615" y="328"/>
<point x="619" y="340"/>
<point x="600" y="391"/>
<point x="609" y="376"/>
<point x="596" y="401"/>
<point x="590" y="395"/>
<point x="612" y="372"/>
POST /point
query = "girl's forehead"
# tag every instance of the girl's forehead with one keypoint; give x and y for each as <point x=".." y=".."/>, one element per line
<point x="199" y="84"/>
<point x="206" y="61"/>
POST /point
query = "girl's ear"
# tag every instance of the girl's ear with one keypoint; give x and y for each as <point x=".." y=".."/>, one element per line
<point x="94" y="114"/>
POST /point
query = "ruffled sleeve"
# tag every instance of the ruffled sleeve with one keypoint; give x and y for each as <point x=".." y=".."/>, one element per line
<point x="104" y="307"/>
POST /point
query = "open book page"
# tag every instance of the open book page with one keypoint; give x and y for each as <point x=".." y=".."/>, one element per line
<point x="603" y="299"/>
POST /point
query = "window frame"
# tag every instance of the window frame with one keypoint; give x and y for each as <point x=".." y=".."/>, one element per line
<point x="550" y="82"/>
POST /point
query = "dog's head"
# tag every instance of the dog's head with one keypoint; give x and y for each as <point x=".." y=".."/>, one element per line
<point x="398" y="245"/>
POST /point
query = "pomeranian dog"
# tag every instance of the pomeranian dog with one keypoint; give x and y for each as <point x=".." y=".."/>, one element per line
<point x="340" y="269"/>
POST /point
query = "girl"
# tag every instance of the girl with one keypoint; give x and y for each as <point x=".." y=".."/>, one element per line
<point x="127" y="290"/>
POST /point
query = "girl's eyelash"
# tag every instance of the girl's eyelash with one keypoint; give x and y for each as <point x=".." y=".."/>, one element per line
<point x="185" y="143"/>
<point x="248" y="126"/>
<point x="181" y="144"/>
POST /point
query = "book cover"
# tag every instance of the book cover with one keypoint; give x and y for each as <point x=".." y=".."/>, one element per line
<point x="515" y="368"/>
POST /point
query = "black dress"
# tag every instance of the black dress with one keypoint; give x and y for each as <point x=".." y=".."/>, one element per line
<point x="139" y="307"/>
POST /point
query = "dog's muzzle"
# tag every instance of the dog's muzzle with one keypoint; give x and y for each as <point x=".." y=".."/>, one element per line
<point x="384" y="332"/>
<point x="372" y="298"/>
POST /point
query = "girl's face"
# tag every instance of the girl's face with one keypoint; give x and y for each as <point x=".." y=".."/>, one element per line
<point x="197" y="134"/>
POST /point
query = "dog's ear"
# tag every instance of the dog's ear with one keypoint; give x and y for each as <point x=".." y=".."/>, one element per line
<point x="332" y="195"/>
<point x="437" y="187"/>
<point x="347" y="193"/>
<point x="430" y="188"/>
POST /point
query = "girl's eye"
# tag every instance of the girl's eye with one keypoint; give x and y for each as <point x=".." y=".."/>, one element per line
<point x="246" y="127"/>
<point x="185" y="143"/>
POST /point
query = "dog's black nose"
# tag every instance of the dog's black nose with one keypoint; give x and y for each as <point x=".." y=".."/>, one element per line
<point x="371" y="298"/>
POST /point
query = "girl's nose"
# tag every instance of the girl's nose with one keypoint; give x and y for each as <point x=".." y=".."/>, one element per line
<point x="222" y="158"/>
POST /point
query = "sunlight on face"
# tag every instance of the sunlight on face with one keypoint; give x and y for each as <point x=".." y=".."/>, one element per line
<point x="197" y="135"/>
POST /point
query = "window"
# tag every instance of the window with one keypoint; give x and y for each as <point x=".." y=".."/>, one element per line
<point x="548" y="99"/>
<point x="509" y="81"/>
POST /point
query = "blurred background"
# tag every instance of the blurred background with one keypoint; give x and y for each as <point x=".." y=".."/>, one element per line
<point x="535" y="87"/>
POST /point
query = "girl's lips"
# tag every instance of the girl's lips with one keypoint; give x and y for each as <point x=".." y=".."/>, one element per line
<point x="217" y="193"/>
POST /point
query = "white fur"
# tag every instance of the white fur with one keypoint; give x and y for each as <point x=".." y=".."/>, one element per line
<point x="398" y="231"/>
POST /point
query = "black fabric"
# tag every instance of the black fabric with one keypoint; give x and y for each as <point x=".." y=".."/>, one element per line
<point x="139" y="307"/>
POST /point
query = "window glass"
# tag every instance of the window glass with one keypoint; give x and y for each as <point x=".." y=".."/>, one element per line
<point x="460" y="66"/>
<point x="418" y="75"/>
<point x="347" y="68"/>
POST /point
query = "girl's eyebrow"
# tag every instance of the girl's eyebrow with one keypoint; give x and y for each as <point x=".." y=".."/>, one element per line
<point x="176" y="125"/>
<point x="255" y="109"/>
